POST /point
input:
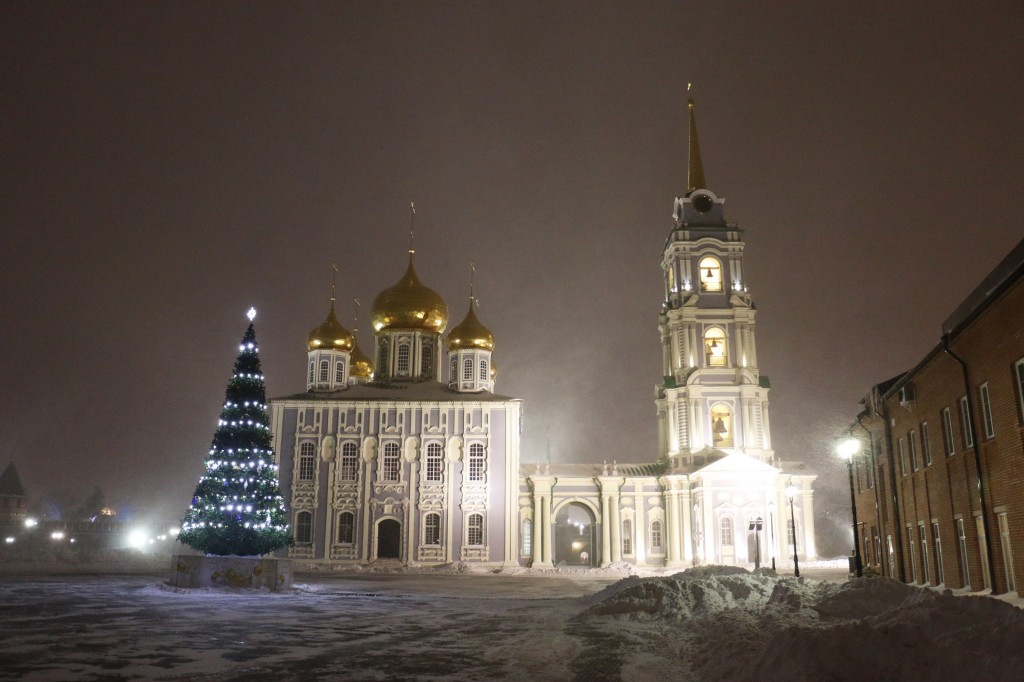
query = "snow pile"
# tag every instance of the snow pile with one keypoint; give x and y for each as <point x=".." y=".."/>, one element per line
<point x="729" y="623"/>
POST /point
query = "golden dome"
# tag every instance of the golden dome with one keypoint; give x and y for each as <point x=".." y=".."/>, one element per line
<point x="409" y="305"/>
<point x="470" y="333"/>
<point x="331" y="334"/>
<point x="360" y="366"/>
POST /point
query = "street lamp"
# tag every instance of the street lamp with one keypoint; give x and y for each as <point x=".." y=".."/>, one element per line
<point x="791" y="492"/>
<point x="848" y="449"/>
<point x="756" y="525"/>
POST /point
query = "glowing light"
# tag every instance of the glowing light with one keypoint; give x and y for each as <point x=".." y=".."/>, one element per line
<point x="848" y="448"/>
<point x="251" y="314"/>
<point x="57" y="535"/>
<point x="9" y="540"/>
<point x="136" y="538"/>
<point x="31" y="523"/>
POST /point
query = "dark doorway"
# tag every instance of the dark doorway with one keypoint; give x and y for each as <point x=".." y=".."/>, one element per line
<point x="389" y="539"/>
<point x="575" y="536"/>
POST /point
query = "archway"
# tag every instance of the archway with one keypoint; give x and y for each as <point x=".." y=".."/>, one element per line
<point x="389" y="539"/>
<point x="576" y="536"/>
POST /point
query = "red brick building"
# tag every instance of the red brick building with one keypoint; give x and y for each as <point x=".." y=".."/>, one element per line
<point x="925" y="515"/>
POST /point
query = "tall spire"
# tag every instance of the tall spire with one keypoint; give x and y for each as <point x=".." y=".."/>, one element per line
<point x="412" y="229"/>
<point x="694" y="168"/>
<point x="334" y="283"/>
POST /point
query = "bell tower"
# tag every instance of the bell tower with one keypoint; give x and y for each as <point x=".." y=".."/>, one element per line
<point x="712" y="400"/>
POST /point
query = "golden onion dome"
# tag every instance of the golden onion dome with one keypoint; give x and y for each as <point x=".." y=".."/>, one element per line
<point x="470" y="333"/>
<point x="409" y="305"/>
<point x="360" y="366"/>
<point x="331" y="334"/>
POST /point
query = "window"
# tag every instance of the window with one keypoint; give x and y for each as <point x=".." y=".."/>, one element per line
<point x="427" y="364"/>
<point x="453" y="374"/>
<point x="346" y="528"/>
<point x="1018" y="372"/>
<point x="710" y="274"/>
<point x="339" y="372"/>
<point x="947" y="432"/>
<point x="714" y="347"/>
<point x="435" y="462"/>
<point x="986" y="412"/>
<point x="627" y="536"/>
<point x="475" y="530"/>
<point x="476" y="462"/>
<point x="325" y="368"/>
<point x="402" y="365"/>
<point x="913" y="558"/>
<point x="304" y="527"/>
<point x="725" y="533"/>
<point x="965" y="422"/>
<point x="307" y="461"/>
<point x="926" y="444"/>
<point x="914" y="463"/>
<point x="656" y="537"/>
<point x="391" y="463"/>
<point x="940" y="571"/>
<point x="961" y="541"/>
<point x="311" y="370"/>
<point x="924" y="553"/>
<point x="979" y="525"/>
<point x="527" y="537"/>
<point x="432" y="529"/>
<point x="467" y="370"/>
<point x="483" y="371"/>
<point x="349" y="461"/>
<point x="790" y="536"/>
<point x="903" y="457"/>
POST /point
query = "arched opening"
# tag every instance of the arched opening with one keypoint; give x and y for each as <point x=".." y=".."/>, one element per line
<point x="722" y="427"/>
<point x="710" y="274"/>
<point x="715" y="348"/>
<point x="389" y="539"/>
<point x="576" y="536"/>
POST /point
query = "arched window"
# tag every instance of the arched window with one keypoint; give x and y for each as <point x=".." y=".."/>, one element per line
<point x="325" y="368"/>
<point x="432" y="529"/>
<point x="346" y="528"/>
<point x="475" y="529"/>
<point x="467" y="370"/>
<point x="304" y="527"/>
<point x="307" y="461"/>
<point x="527" y="537"/>
<point x="402" y="368"/>
<point x="656" y="545"/>
<point x="789" y="534"/>
<point x="339" y="372"/>
<point x="391" y="462"/>
<point x="725" y="533"/>
<point x="627" y="536"/>
<point x="427" y="362"/>
<point x="483" y="371"/>
<point x="722" y="427"/>
<point x="453" y="374"/>
<point x="311" y="370"/>
<point x="435" y="462"/>
<point x="476" y="462"/>
<point x="710" y="274"/>
<point x="349" y="461"/>
<point x="715" y="348"/>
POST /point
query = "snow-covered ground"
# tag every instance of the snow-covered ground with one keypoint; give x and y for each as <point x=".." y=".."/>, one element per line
<point x="711" y="623"/>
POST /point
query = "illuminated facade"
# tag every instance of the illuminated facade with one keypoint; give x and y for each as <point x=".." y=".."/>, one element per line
<point x="400" y="465"/>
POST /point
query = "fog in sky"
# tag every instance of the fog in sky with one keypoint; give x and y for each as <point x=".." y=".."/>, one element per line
<point x="167" y="165"/>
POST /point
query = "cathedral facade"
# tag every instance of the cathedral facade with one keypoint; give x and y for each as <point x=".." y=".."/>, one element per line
<point x="387" y="460"/>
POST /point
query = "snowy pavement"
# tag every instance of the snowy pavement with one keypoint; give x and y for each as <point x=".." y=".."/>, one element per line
<point x="705" y="624"/>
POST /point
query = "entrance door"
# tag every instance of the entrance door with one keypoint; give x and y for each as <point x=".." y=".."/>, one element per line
<point x="389" y="539"/>
<point x="575" y="541"/>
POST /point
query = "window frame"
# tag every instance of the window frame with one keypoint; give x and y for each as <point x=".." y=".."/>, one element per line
<point x="915" y="463"/>
<point x="1018" y="376"/>
<point x="949" y="441"/>
<point x="467" y="369"/>
<point x="477" y="469"/>
<point x="304" y="527"/>
<point x="403" y="359"/>
<point x="707" y="284"/>
<point x="902" y="450"/>
<point x="391" y="462"/>
<point x="434" y="470"/>
<point x="349" y="469"/>
<point x="350" y="528"/>
<point x="325" y="371"/>
<point x="475" y="529"/>
<point x="627" y="537"/>
<point x="307" y="461"/>
<point x="965" y="422"/>
<point x="432" y="529"/>
<point x="988" y="423"/>
<point x="657" y="537"/>
<point x="926" y="446"/>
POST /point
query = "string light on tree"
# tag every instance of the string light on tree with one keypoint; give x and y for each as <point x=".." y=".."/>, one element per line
<point x="237" y="508"/>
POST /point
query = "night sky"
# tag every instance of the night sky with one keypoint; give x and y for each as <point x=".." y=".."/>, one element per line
<point x="167" y="165"/>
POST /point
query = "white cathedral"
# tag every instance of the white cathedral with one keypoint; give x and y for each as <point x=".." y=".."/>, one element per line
<point x="385" y="461"/>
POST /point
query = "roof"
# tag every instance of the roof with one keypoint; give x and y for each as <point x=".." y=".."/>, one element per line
<point x="413" y="391"/>
<point x="735" y="462"/>
<point x="1008" y="271"/>
<point x="10" y="483"/>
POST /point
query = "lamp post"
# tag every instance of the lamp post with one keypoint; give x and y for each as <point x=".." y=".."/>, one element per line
<point x="848" y="449"/>
<point x="756" y="525"/>
<point x="791" y="492"/>
<point x="773" y="543"/>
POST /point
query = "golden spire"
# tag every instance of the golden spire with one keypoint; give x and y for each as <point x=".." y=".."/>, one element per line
<point x="471" y="333"/>
<point x="361" y="367"/>
<point x="694" y="168"/>
<point x="331" y="333"/>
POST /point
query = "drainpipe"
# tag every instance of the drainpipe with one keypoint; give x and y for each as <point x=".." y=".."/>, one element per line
<point x="977" y="459"/>
<point x="894" y="497"/>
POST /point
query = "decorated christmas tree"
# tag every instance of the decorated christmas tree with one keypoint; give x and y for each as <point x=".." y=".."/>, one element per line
<point x="237" y="507"/>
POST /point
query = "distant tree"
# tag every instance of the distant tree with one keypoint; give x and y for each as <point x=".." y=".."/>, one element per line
<point x="96" y="501"/>
<point x="237" y="508"/>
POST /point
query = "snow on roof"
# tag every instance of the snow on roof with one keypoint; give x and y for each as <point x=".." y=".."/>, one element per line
<point x="737" y="461"/>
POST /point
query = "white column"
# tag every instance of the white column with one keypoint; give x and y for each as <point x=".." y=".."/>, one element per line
<point x="687" y="530"/>
<point x="546" y="511"/>
<point x="807" y="512"/>
<point x="413" y="515"/>
<point x="538" y="525"/>
<point x="606" y="539"/>
<point x="616" y="529"/>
